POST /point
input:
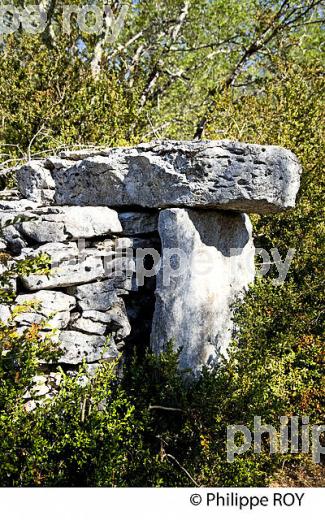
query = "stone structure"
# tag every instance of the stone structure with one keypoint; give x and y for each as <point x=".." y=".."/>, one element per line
<point x="95" y="212"/>
<point x="215" y="174"/>
<point x="193" y="308"/>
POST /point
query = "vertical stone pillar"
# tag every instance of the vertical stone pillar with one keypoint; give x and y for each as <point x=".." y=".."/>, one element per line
<point x="207" y="262"/>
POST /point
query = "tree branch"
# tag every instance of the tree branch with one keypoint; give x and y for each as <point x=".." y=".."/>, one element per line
<point x="171" y="457"/>
<point x="277" y="24"/>
<point x="48" y="35"/>
<point x="111" y="27"/>
<point x="157" y="68"/>
<point x="165" y="408"/>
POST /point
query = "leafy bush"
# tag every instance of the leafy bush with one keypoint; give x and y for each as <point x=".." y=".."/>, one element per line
<point x="151" y="429"/>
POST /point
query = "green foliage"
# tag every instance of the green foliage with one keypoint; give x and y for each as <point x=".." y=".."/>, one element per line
<point x="155" y="79"/>
<point x="97" y="432"/>
<point x="54" y="102"/>
<point x="86" y="436"/>
<point x="186" y="426"/>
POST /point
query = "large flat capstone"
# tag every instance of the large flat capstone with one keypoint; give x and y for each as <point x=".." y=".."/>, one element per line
<point x="207" y="263"/>
<point x="198" y="174"/>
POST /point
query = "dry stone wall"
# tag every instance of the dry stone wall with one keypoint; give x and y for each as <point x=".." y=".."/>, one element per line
<point x="89" y="299"/>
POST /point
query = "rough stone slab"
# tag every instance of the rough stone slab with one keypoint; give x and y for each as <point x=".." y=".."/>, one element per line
<point x="89" y="326"/>
<point x="138" y="223"/>
<point x="77" y="346"/>
<point x="199" y="174"/>
<point x="98" y="296"/>
<point x="194" y="310"/>
<point x="35" y="182"/>
<point x="66" y="274"/>
<point x="101" y="317"/>
<point x="43" y="231"/>
<point x="51" y="306"/>
<point x="91" y="222"/>
<point x="56" y="251"/>
<point x="59" y="321"/>
<point x="54" y="162"/>
<point x="51" y="301"/>
<point x="115" y="320"/>
<point x="118" y="321"/>
<point x="58" y="224"/>
<point x="13" y="239"/>
<point x="19" y="205"/>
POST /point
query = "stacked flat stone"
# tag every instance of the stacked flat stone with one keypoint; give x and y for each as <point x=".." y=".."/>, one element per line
<point x="190" y="196"/>
<point x="81" y="300"/>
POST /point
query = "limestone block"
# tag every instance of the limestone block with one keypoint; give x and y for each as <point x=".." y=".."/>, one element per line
<point x="199" y="174"/>
<point x="193" y="302"/>
<point x="53" y="307"/>
<point x="77" y="346"/>
<point x="58" y="224"/>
